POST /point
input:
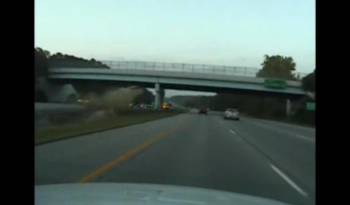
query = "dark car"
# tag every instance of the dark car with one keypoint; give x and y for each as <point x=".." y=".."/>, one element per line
<point x="203" y="111"/>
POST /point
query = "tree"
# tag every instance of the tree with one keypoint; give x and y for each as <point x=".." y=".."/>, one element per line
<point x="308" y="82"/>
<point x="65" y="60"/>
<point x="58" y="55"/>
<point x="40" y="62"/>
<point x="277" y="67"/>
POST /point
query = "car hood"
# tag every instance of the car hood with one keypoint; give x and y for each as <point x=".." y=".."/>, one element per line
<point x="134" y="194"/>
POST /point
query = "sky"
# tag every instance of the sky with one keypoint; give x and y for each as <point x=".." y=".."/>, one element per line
<point x="224" y="32"/>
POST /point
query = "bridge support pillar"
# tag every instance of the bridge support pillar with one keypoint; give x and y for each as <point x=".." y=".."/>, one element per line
<point x="159" y="98"/>
<point x="288" y="107"/>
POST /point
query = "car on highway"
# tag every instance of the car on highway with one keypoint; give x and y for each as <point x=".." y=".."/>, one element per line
<point x="166" y="106"/>
<point x="141" y="107"/>
<point x="83" y="101"/>
<point x="231" y="113"/>
<point x="203" y="111"/>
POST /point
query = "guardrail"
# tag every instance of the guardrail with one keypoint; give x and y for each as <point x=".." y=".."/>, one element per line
<point x="188" y="68"/>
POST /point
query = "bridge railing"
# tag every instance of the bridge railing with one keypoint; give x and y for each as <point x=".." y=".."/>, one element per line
<point x="188" y="68"/>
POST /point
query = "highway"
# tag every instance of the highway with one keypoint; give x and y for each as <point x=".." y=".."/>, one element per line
<point x="251" y="156"/>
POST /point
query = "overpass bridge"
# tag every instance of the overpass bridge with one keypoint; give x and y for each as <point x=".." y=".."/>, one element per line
<point x="178" y="76"/>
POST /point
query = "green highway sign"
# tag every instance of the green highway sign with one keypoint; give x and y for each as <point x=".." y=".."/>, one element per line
<point x="275" y="83"/>
<point x="311" y="106"/>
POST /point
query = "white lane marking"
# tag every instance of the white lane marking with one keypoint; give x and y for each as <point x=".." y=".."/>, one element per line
<point x="305" y="138"/>
<point x="293" y="126"/>
<point x="275" y="129"/>
<point x="233" y="132"/>
<point x="289" y="181"/>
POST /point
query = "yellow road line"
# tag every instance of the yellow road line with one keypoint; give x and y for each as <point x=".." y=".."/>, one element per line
<point x="123" y="158"/>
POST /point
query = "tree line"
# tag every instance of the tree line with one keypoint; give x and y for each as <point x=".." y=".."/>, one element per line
<point x="44" y="60"/>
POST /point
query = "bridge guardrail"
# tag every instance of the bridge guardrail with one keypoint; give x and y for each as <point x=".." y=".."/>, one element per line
<point x="188" y="68"/>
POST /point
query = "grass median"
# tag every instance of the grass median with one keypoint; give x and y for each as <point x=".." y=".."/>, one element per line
<point x="67" y="131"/>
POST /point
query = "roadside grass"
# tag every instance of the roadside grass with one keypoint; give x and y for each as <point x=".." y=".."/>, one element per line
<point x="67" y="131"/>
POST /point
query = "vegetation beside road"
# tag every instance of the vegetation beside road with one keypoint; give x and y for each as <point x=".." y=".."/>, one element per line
<point x="44" y="59"/>
<point x="68" y="131"/>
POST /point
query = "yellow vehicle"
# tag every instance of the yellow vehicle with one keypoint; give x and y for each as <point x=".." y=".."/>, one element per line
<point x="166" y="106"/>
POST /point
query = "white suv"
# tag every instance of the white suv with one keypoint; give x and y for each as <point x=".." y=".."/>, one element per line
<point x="231" y="114"/>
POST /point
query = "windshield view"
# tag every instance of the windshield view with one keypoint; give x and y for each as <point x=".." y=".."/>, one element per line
<point x="175" y="102"/>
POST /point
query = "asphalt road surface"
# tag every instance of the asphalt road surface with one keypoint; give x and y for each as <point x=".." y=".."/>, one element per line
<point x="255" y="157"/>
